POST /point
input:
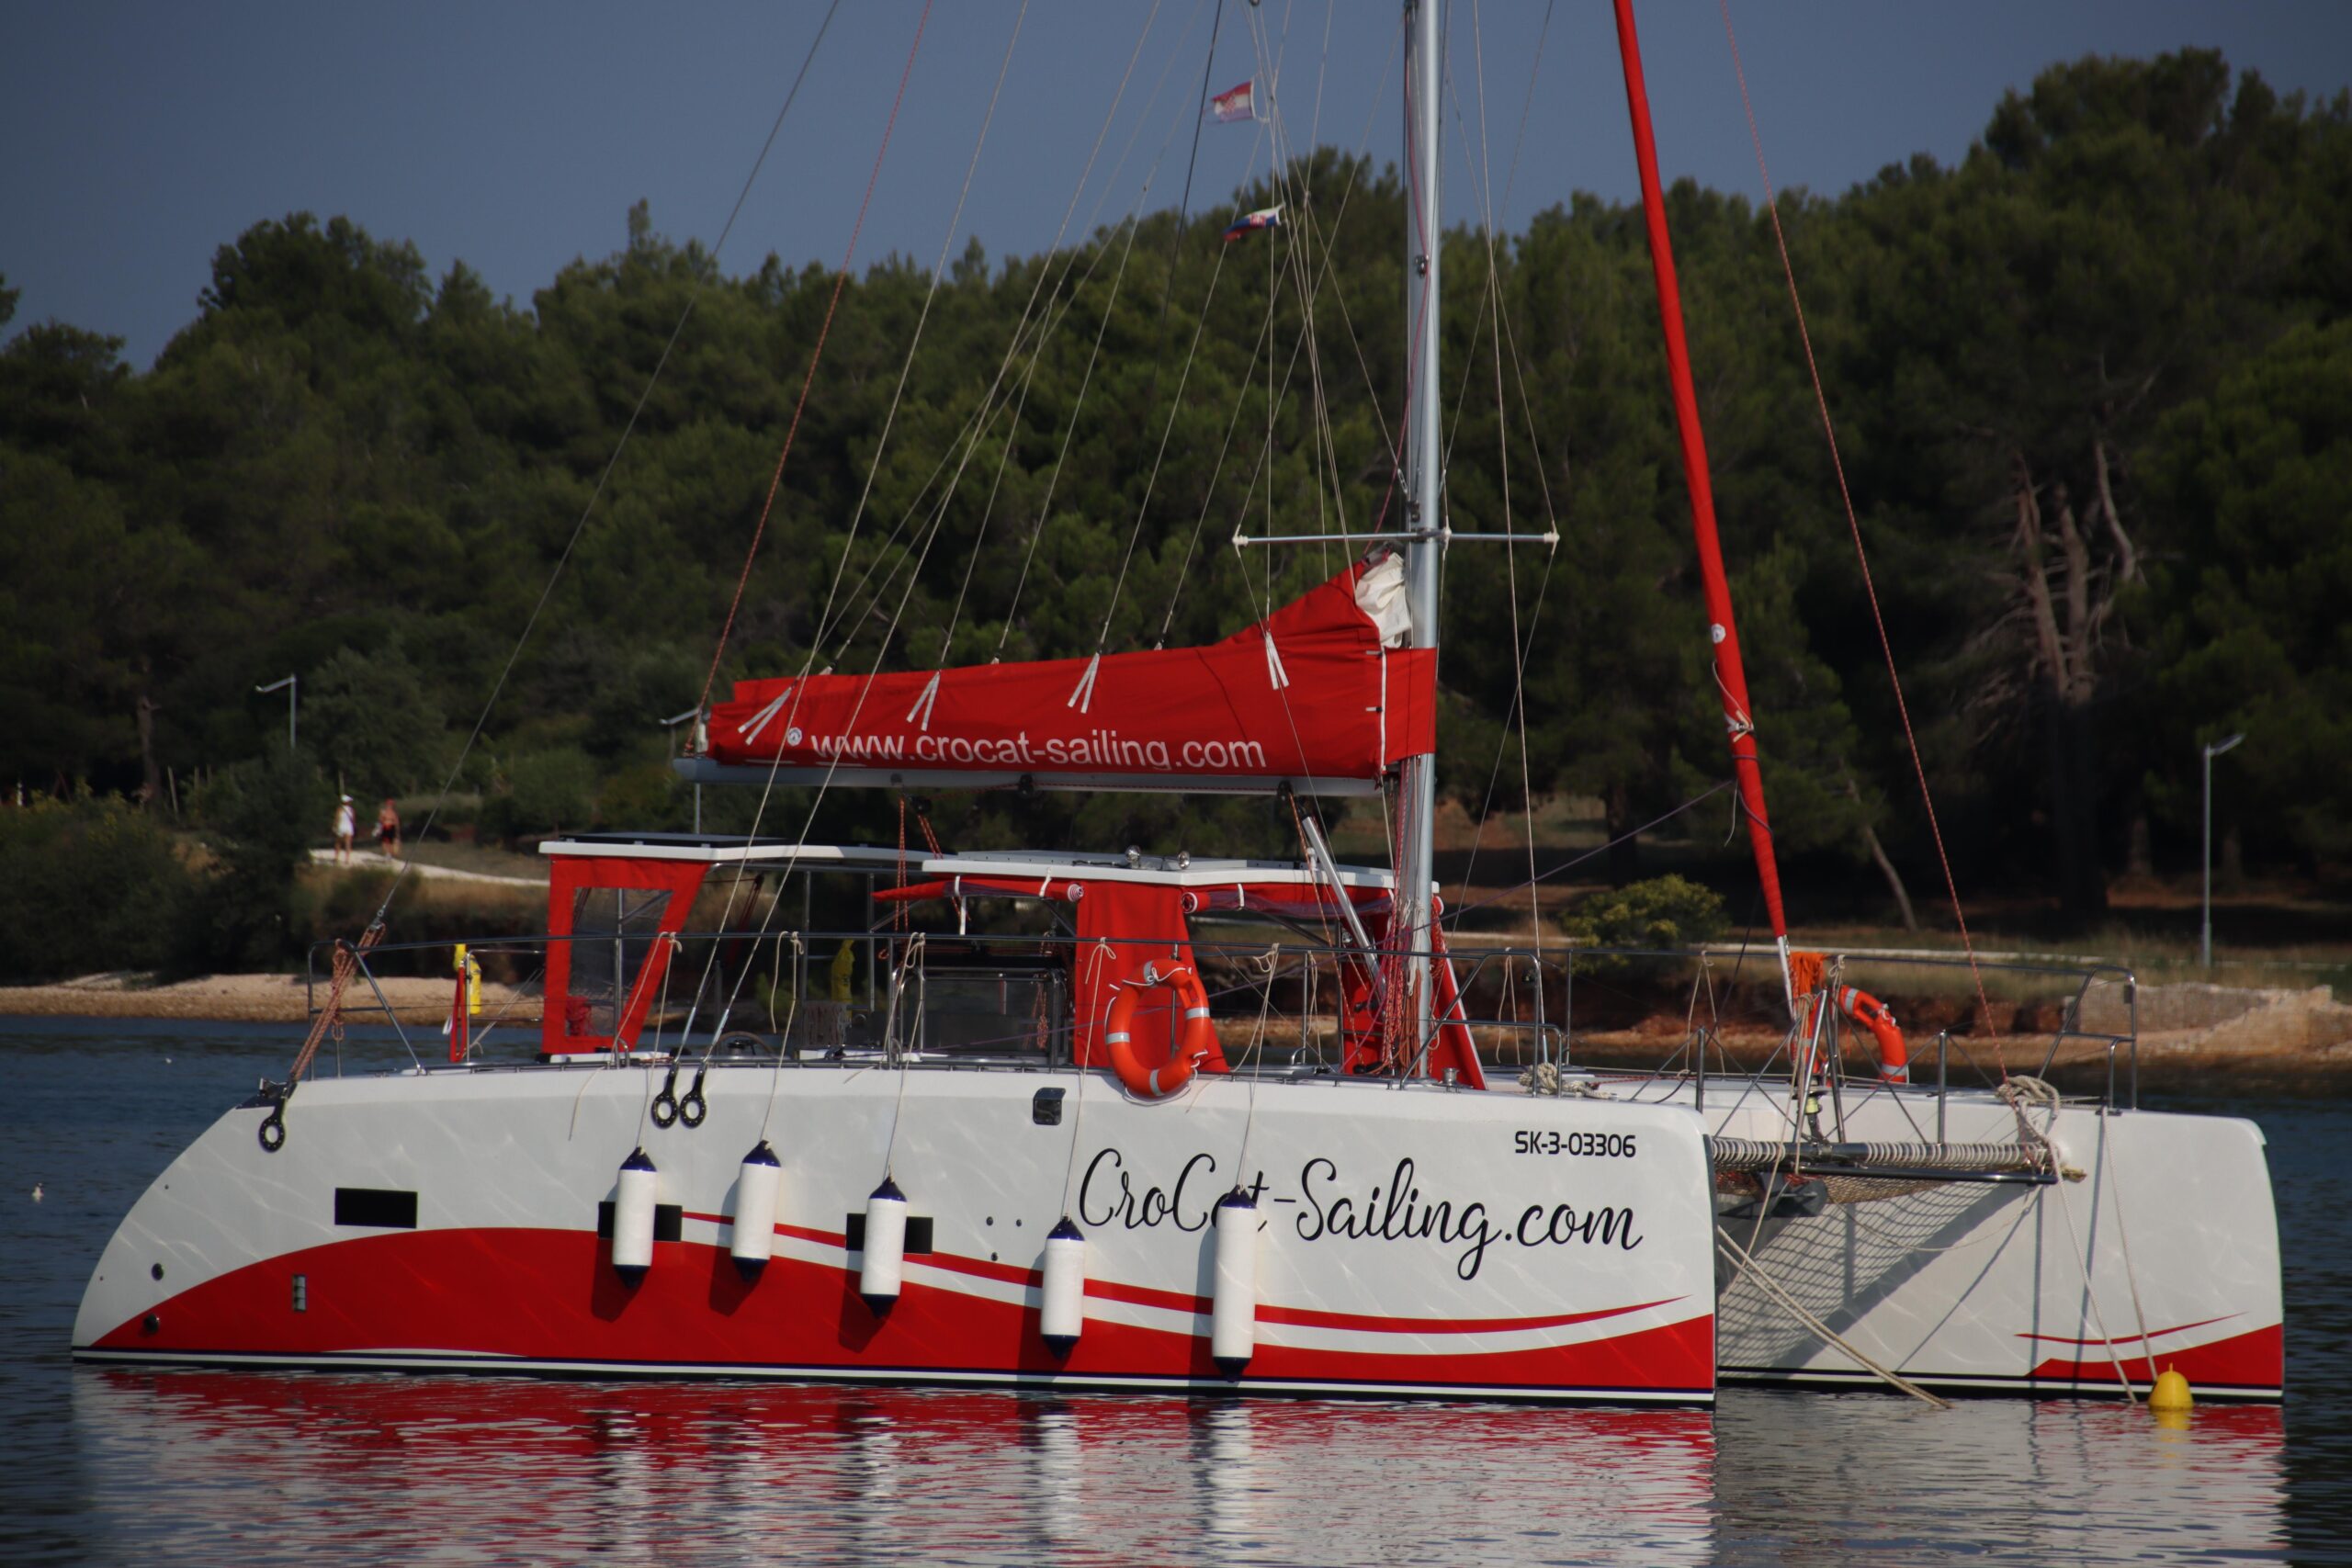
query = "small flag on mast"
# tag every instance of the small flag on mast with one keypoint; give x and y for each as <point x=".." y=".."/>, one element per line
<point x="1235" y="103"/>
<point x="1264" y="217"/>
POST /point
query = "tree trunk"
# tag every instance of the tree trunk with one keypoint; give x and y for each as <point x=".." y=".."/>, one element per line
<point x="2068" y="685"/>
<point x="1893" y="877"/>
<point x="2139" y="854"/>
<point x="2073" y="808"/>
<point x="1878" y="851"/>
<point x="152" y="788"/>
<point x="1624" y="849"/>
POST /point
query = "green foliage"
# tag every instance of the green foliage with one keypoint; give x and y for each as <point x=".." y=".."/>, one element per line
<point x="544" y="792"/>
<point x="2124" y="307"/>
<point x="373" y="724"/>
<point x="86" y="885"/>
<point x="2247" y="620"/>
<point x="264" y="815"/>
<point x="1662" y="912"/>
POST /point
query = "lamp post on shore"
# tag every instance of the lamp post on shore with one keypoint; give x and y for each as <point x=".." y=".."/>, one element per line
<point x="2205" y="939"/>
<point x="671" y="724"/>
<point x="292" y="687"/>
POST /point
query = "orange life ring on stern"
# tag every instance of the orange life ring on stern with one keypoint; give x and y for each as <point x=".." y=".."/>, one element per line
<point x="1159" y="1078"/>
<point x="1894" y="1057"/>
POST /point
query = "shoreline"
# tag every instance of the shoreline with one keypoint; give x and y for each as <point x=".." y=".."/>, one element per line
<point x="2185" y="1031"/>
<point x="251" y="998"/>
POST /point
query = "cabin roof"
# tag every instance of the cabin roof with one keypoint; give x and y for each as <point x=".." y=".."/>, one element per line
<point x="1168" y="871"/>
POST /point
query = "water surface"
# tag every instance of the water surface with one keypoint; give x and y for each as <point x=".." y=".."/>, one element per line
<point x="99" y="1465"/>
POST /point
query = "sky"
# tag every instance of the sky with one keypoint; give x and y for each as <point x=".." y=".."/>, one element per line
<point x="135" y="140"/>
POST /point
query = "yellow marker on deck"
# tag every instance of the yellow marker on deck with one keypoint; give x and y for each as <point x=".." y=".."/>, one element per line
<point x="470" y="967"/>
<point x="2171" y="1393"/>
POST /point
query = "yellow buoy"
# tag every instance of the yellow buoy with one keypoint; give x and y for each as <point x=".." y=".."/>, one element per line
<point x="2171" y="1393"/>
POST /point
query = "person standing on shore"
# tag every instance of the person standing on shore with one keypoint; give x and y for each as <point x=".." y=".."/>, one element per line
<point x="346" y="824"/>
<point x="388" y="829"/>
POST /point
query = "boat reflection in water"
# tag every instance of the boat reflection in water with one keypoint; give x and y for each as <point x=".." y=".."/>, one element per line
<point x="271" y="1467"/>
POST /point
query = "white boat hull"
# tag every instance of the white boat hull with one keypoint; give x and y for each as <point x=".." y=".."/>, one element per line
<point x="2158" y="1249"/>
<point x="1410" y="1244"/>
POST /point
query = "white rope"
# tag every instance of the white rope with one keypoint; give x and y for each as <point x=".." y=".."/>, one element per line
<point x="784" y="1039"/>
<point x="1268" y="964"/>
<point x="910" y="964"/>
<point x="2019" y="1093"/>
<point x="1796" y="1309"/>
<point x="2123" y="1232"/>
<point x="1095" y="957"/>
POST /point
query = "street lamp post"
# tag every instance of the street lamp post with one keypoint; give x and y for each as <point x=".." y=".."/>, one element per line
<point x="671" y="724"/>
<point x="2205" y="939"/>
<point x="292" y="687"/>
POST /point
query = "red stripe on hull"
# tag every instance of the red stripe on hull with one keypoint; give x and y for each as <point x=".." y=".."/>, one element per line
<point x="544" y="1295"/>
<point x="1184" y="1301"/>
<point x="2255" y="1359"/>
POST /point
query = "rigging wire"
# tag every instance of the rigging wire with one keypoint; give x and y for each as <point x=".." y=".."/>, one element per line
<point x="1502" y="438"/>
<point x="816" y="356"/>
<point x="1118" y="278"/>
<point x="864" y="690"/>
<point x="1061" y="289"/>
<point x="1183" y="209"/>
<point x="1326" y="276"/>
<point x="1853" y="525"/>
<point x="1632" y="833"/>
<point x="905" y="369"/>
<point x="604" y="479"/>
<point x="1508" y="339"/>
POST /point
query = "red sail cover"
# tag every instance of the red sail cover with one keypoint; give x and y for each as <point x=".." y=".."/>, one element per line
<point x="1328" y="700"/>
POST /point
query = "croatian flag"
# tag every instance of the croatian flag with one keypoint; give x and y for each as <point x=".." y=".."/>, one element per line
<point x="1238" y="103"/>
<point x="1264" y="217"/>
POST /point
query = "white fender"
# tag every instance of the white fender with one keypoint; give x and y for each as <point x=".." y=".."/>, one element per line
<point x="640" y="1185"/>
<point x="886" y="1248"/>
<point x="756" y="1187"/>
<point x="1063" y="1316"/>
<point x="1233" y="1312"/>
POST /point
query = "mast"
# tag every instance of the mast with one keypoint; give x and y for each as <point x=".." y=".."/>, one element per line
<point x="1731" y="675"/>
<point x="1424" y="482"/>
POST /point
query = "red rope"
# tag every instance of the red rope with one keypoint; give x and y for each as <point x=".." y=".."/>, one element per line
<point x="776" y="480"/>
<point x="1837" y="464"/>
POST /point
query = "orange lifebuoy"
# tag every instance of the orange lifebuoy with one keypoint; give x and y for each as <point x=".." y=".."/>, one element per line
<point x="1159" y="1076"/>
<point x="1894" y="1058"/>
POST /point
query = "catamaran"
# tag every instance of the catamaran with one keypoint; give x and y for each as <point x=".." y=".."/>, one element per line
<point x="1081" y="1120"/>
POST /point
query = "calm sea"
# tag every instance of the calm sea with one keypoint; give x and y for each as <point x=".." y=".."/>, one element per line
<point x="110" y="1467"/>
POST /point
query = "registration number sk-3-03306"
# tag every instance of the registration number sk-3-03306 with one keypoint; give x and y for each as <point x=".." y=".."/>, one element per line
<point x="1552" y="1141"/>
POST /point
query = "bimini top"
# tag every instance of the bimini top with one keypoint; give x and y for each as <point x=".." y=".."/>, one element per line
<point x="1049" y="871"/>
